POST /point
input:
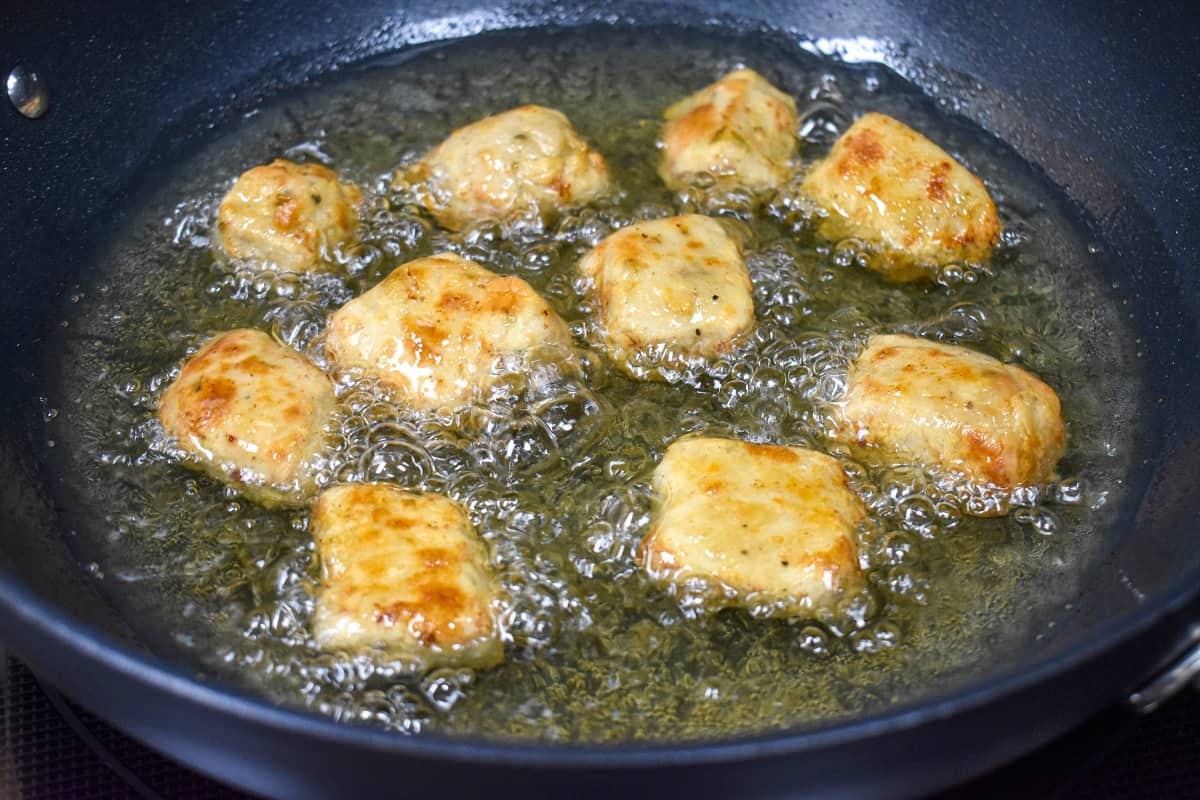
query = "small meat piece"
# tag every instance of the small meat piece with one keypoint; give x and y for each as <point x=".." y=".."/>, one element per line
<point x="741" y="130"/>
<point x="252" y="413"/>
<point x="904" y="197"/>
<point x="952" y="409"/>
<point x="526" y="162"/>
<point x="758" y="524"/>
<point x="678" y="283"/>
<point x="288" y="216"/>
<point x="405" y="574"/>
<point x="437" y="329"/>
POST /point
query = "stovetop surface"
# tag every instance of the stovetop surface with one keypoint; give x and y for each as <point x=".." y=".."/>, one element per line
<point x="50" y="749"/>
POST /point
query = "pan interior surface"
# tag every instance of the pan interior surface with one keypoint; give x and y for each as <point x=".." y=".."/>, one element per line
<point x="560" y="488"/>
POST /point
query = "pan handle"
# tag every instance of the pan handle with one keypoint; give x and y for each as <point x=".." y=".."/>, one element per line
<point x="1182" y="672"/>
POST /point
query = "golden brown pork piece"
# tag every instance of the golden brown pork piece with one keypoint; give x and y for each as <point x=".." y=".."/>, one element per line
<point x="677" y="283"/>
<point x="905" y="197"/>
<point x="741" y="130"/>
<point x="287" y="216"/>
<point x="436" y="330"/>
<point x="526" y="162"/>
<point x="404" y="574"/>
<point x="759" y="524"/>
<point x="952" y="409"/>
<point x="252" y="413"/>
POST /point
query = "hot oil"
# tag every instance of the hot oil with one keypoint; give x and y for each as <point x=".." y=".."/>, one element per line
<point x="555" y="469"/>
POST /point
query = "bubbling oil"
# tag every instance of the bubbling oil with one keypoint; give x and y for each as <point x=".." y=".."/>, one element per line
<point x="554" y="466"/>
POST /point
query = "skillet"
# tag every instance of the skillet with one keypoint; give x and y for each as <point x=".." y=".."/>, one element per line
<point x="1099" y="99"/>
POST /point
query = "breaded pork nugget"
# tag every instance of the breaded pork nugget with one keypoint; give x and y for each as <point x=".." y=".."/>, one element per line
<point x="252" y="413"/>
<point x="436" y="330"/>
<point x="405" y="574"/>
<point x="678" y="283"/>
<point x="288" y="216"/>
<point x="741" y="130"/>
<point x="903" y="196"/>
<point x="525" y="162"/>
<point x="952" y="409"/>
<point x="759" y="524"/>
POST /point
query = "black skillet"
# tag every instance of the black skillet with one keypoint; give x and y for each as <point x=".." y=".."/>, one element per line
<point x="1100" y="96"/>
